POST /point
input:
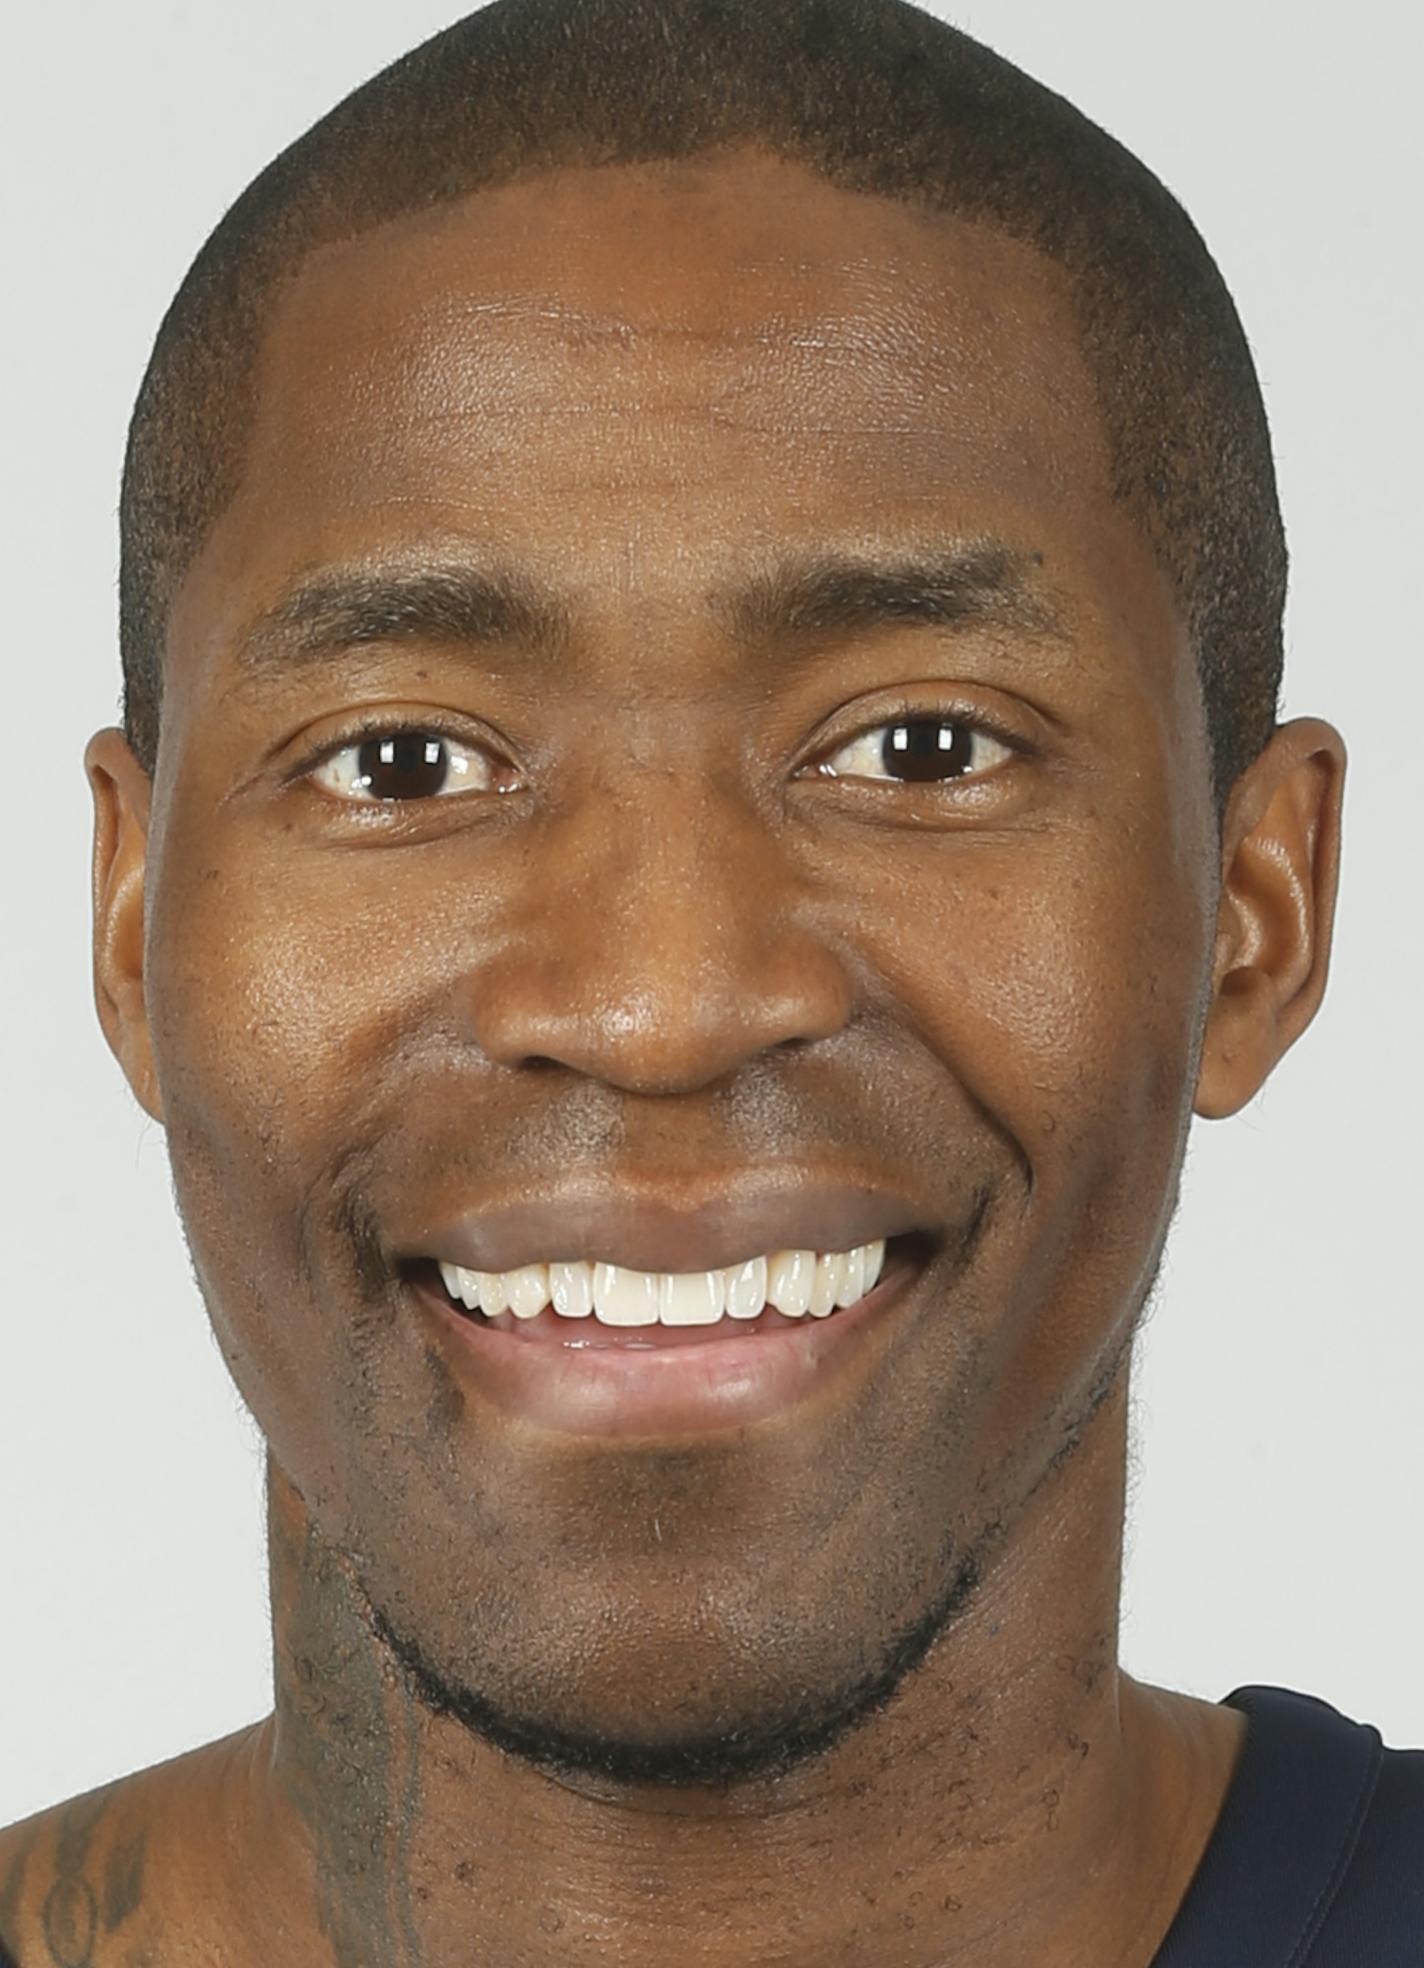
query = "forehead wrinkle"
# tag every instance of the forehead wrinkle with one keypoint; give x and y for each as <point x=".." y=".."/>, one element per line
<point x="848" y="306"/>
<point x="851" y="331"/>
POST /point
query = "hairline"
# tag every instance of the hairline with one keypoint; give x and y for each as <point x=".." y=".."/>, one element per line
<point x="967" y="136"/>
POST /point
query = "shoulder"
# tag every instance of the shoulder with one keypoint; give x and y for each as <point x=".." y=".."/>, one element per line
<point x="93" y="1879"/>
<point x="74" y="1878"/>
<point x="1383" y="1881"/>
<point x="1334" y="1820"/>
<point x="51" y="1906"/>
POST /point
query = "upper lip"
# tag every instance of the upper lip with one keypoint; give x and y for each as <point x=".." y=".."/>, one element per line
<point x="643" y="1230"/>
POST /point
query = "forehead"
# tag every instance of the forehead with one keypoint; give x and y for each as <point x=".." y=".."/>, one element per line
<point x="747" y="298"/>
<point x="632" y="376"/>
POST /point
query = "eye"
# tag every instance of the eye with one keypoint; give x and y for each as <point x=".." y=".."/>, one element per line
<point x="919" y="748"/>
<point x="402" y="765"/>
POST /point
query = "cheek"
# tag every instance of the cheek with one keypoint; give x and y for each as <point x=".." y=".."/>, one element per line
<point x="1059" y="977"/>
<point x="290" y="992"/>
<point x="277" y="984"/>
<point x="276" y="1002"/>
<point x="1058" y="981"/>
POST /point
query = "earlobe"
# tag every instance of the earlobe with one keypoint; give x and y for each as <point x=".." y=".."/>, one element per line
<point x="1280" y="872"/>
<point x="121" y="790"/>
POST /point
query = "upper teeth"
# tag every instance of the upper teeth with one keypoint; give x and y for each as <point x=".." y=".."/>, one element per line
<point x="794" y="1281"/>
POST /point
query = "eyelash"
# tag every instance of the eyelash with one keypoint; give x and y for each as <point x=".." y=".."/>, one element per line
<point x="368" y="730"/>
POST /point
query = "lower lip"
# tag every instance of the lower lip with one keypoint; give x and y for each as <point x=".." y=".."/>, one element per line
<point x="674" y="1390"/>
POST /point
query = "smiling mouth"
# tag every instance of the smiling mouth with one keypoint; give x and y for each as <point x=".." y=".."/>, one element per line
<point x="586" y="1305"/>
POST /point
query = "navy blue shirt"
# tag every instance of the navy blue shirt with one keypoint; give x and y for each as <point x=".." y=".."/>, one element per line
<point x="1317" y="1858"/>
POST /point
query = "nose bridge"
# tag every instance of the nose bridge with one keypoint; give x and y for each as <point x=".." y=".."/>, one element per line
<point x="660" y="944"/>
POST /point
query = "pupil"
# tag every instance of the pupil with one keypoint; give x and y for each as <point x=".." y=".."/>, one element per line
<point x="929" y="749"/>
<point x="410" y="766"/>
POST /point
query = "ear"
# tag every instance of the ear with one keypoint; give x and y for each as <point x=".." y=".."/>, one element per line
<point x="1280" y="869"/>
<point x="122" y="791"/>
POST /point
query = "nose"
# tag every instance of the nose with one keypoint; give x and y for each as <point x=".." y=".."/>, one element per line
<point x="658" y="940"/>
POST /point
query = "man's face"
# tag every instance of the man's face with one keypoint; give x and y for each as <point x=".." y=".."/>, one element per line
<point x="644" y="940"/>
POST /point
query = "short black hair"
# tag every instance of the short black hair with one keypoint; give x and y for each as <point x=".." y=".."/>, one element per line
<point x="874" y="95"/>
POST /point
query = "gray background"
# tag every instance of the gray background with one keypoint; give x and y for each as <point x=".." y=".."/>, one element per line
<point x="1274" y="1532"/>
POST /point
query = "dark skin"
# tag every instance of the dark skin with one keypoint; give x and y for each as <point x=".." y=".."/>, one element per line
<point x="674" y="947"/>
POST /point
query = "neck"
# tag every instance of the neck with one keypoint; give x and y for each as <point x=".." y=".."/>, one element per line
<point x="1019" y="1798"/>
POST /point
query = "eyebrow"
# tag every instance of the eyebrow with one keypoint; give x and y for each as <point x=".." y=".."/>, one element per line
<point x="341" y="608"/>
<point x="973" y="584"/>
<point x="964" y="585"/>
